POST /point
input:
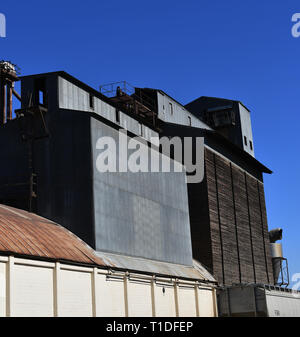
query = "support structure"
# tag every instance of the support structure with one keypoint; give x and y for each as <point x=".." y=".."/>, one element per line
<point x="8" y="76"/>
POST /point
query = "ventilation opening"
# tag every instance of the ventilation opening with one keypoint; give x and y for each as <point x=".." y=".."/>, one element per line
<point x="40" y="91"/>
<point x="117" y="116"/>
<point x="92" y="101"/>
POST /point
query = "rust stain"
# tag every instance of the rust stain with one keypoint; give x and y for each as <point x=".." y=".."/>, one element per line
<point x="28" y="234"/>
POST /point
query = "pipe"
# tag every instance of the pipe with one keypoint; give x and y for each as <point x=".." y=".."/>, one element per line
<point x="9" y="101"/>
<point x="275" y="235"/>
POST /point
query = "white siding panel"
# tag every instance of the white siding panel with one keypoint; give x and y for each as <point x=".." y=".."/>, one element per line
<point x="139" y="299"/>
<point x="110" y="301"/>
<point x="282" y="305"/>
<point x="74" y="294"/>
<point x="2" y="289"/>
<point x="32" y="291"/>
<point x="206" y="303"/>
<point x="186" y="302"/>
<point x="165" y="305"/>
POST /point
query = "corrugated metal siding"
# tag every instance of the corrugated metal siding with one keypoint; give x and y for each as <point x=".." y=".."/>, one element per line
<point x="180" y="114"/>
<point x="197" y="271"/>
<point x="140" y="214"/>
<point x="74" y="98"/>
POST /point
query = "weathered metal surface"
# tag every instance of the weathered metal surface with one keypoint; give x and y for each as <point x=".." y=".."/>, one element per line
<point x="9" y="95"/>
<point x="8" y="75"/>
<point x="197" y="271"/>
<point x="143" y="214"/>
<point x="2" y="100"/>
<point x="26" y="234"/>
<point x="259" y="300"/>
<point x="276" y="250"/>
<point x="74" y="98"/>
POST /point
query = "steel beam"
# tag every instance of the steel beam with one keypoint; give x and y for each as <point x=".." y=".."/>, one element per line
<point x="9" y="94"/>
<point x="2" y="101"/>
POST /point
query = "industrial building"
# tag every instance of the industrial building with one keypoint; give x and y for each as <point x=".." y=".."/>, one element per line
<point x="227" y="209"/>
<point x="137" y="224"/>
<point x="153" y="244"/>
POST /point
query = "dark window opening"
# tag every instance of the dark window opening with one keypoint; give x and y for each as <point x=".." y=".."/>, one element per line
<point x="245" y="140"/>
<point x="40" y="96"/>
<point x="117" y="116"/>
<point x="141" y="130"/>
<point x="171" y="108"/>
<point x="251" y="145"/>
<point x="190" y="121"/>
<point x="91" y="101"/>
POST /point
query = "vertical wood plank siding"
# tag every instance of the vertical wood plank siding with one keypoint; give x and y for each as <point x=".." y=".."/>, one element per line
<point x="229" y="228"/>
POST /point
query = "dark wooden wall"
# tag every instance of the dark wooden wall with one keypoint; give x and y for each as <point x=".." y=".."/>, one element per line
<point x="229" y="223"/>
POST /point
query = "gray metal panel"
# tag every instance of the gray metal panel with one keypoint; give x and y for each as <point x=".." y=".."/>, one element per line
<point x="197" y="271"/>
<point x="246" y="128"/>
<point x="74" y="98"/>
<point x="283" y="304"/>
<point x="140" y="214"/>
<point x="180" y="114"/>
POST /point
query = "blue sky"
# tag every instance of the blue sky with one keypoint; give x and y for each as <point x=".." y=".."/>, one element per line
<point x="235" y="49"/>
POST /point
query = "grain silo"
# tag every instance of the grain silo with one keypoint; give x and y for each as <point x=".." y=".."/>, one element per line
<point x="137" y="224"/>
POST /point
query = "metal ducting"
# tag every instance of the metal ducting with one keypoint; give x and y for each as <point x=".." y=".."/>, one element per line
<point x="280" y="269"/>
<point x="275" y="235"/>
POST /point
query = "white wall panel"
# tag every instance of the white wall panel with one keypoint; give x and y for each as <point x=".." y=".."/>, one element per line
<point x="206" y="302"/>
<point x="164" y="301"/>
<point x="186" y="302"/>
<point x="2" y="289"/>
<point x="74" y="294"/>
<point x="110" y="301"/>
<point x="139" y="299"/>
<point x="280" y="304"/>
<point x="33" y="293"/>
<point x="32" y="289"/>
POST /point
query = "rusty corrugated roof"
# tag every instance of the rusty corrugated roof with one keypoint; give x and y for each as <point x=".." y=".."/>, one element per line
<point x="27" y="234"/>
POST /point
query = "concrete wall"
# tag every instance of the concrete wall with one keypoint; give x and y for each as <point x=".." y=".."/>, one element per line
<point x="30" y="288"/>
